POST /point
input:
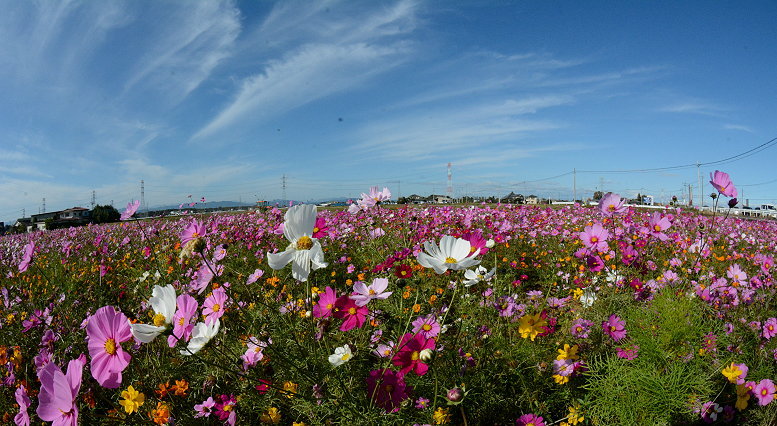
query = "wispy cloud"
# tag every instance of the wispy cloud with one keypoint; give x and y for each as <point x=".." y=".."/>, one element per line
<point x="334" y="52"/>
<point x="738" y="127"/>
<point x="695" y="106"/>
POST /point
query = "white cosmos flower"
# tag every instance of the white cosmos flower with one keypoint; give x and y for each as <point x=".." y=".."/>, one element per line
<point x="201" y="335"/>
<point x="304" y="250"/>
<point x="477" y="275"/>
<point x="452" y="253"/>
<point x="588" y="298"/>
<point x="341" y="356"/>
<point x="163" y="302"/>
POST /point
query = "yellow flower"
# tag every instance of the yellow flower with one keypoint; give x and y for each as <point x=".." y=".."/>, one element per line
<point x="291" y="388"/>
<point x="575" y="416"/>
<point x="132" y="400"/>
<point x="441" y="416"/>
<point x="531" y="325"/>
<point x="577" y="293"/>
<point x="560" y="379"/>
<point x="732" y="373"/>
<point x="567" y="353"/>
<point x="272" y="416"/>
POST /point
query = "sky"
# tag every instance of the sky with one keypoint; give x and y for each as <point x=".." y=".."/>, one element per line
<point x="223" y="99"/>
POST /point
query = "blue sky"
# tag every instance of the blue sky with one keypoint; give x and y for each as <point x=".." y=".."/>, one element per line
<point x="220" y="99"/>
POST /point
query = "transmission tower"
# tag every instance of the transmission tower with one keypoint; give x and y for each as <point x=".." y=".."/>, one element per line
<point x="93" y="198"/>
<point x="44" y="205"/>
<point x="142" y="195"/>
<point x="283" y="186"/>
<point x="450" y="182"/>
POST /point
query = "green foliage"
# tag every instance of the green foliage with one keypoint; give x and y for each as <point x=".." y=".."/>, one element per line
<point x="105" y="214"/>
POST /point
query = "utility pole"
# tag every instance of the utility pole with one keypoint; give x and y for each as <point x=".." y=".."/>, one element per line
<point x="574" y="186"/>
<point x="450" y="182"/>
<point x="698" y="174"/>
<point x="44" y="205"/>
<point x="93" y="199"/>
<point x="283" y="186"/>
<point x="690" y="195"/>
<point x="142" y="195"/>
<point x="24" y="213"/>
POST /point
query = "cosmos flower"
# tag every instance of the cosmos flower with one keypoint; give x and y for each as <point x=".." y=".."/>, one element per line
<point x="722" y="182"/>
<point x="452" y="253"/>
<point x="304" y="251"/>
<point x="387" y="388"/>
<point x="342" y="355"/>
<point x="614" y="327"/>
<point x="474" y="276"/>
<point x="363" y="294"/>
<point x="594" y="237"/>
<point x="201" y="335"/>
<point x="163" y="303"/>
<point x="106" y="330"/>
<point x="612" y="204"/>
<point x="132" y="207"/>
<point x="29" y="250"/>
<point x="58" y="393"/>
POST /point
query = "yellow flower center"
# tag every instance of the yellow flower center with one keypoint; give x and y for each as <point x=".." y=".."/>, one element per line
<point x="472" y="249"/>
<point x="450" y="260"/>
<point x="180" y="321"/>
<point x="389" y="388"/>
<point x="352" y="311"/>
<point x="159" y="320"/>
<point x="216" y="307"/>
<point x="304" y="243"/>
<point x="594" y="239"/>
<point x="315" y="229"/>
<point x="426" y="327"/>
<point x="657" y="228"/>
<point x="613" y="328"/>
<point x="414" y="356"/>
<point x="372" y="292"/>
<point x="110" y="347"/>
<point x="195" y="235"/>
<point x="330" y="306"/>
<point x="345" y="357"/>
<point x="611" y="207"/>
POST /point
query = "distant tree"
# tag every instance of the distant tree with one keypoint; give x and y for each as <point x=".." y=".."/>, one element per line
<point x="598" y="195"/>
<point x="401" y="200"/>
<point x="105" y="214"/>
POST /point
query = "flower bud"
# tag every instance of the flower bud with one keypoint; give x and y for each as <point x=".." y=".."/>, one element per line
<point x="425" y="355"/>
<point x="490" y="243"/>
<point x="455" y="395"/>
<point x="732" y="202"/>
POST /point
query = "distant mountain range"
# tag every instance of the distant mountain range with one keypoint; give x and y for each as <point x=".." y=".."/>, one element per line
<point x="222" y="204"/>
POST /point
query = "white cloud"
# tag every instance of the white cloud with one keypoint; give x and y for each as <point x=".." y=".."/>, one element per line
<point x="738" y="127"/>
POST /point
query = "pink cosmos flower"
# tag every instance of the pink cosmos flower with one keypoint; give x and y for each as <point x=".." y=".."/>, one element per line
<point x="29" y="249"/>
<point x="612" y="204"/>
<point x="614" y="327"/>
<point x="132" y="207"/>
<point x="384" y="351"/>
<point x="476" y="242"/>
<point x="722" y="182"/>
<point x="427" y="326"/>
<point x="657" y="224"/>
<point x="254" y="353"/>
<point x="213" y="307"/>
<point x="353" y="316"/>
<point x="225" y="409"/>
<point x="182" y="319"/>
<point x="58" y="392"/>
<point x="203" y="278"/>
<point x="735" y="273"/>
<point x="769" y="328"/>
<point x="320" y="229"/>
<point x="204" y="409"/>
<point x="255" y="276"/>
<point x="22" y="418"/>
<point x="326" y="303"/>
<point x="195" y="230"/>
<point x="106" y="330"/>
<point x="764" y="392"/>
<point x="408" y="357"/>
<point x="363" y="294"/>
<point x="628" y="353"/>
<point x="595" y="237"/>
<point x="530" y="420"/>
<point x="219" y="253"/>
<point x="388" y="389"/>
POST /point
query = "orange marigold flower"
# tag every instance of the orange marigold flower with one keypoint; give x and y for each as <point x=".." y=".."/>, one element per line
<point x="161" y="414"/>
<point x="164" y="389"/>
<point x="180" y="387"/>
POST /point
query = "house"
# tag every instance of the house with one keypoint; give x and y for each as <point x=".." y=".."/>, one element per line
<point x="38" y="221"/>
<point x="532" y="199"/>
<point x="416" y="199"/>
<point x="440" y="199"/>
<point x="513" y="198"/>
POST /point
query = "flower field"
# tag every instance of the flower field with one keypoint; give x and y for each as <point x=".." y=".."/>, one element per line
<point x="411" y="315"/>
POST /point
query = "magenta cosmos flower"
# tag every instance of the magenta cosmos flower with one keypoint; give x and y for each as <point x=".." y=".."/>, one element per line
<point x="387" y="388"/>
<point x="612" y="204"/>
<point x="614" y="327"/>
<point x="195" y="230"/>
<point x="326" y="303"/>
<point x="213" y="307"/>
<point x="530" y="420"/>
<point x="353" y="316"/>
<point x="722" y="182"/>
<point x="58" y="392"/>
<point x="130" y="210"/>
<point x="476" y="242"/>
<point x="408" y="356"/>
<point x="769" y="328"/>
<point x="363" y="294"/>
<point x="594" y="237"/>
<point x="106" y="330"/>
